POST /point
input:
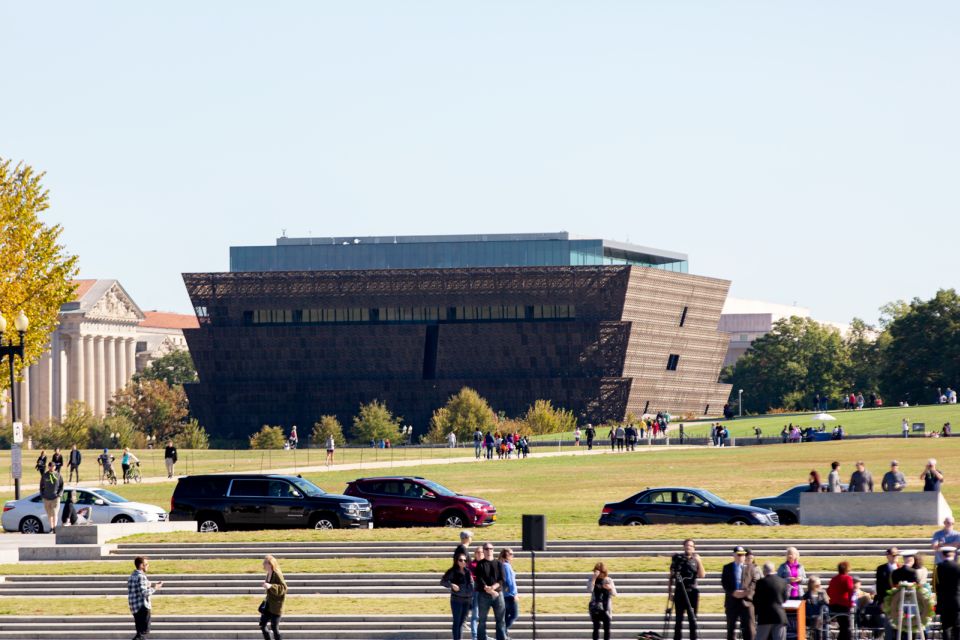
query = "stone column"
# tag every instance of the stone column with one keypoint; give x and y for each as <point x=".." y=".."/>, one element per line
<point x="120" y="353"/>
<point x="23" y="398"/>
<point x="100" y="398"/>
<point x="110" y="368"/>
<point x="76" y="374"/>
<point x="89" y="374"/>
<point x="43" y="386"/>
<point x="131" y="356"/>
<point x="62" y="365"/>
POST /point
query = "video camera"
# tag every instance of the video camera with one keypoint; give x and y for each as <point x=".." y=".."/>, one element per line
<point x="683" y="567"/>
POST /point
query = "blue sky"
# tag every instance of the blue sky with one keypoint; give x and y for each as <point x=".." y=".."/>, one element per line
<point x="807" y="151"/>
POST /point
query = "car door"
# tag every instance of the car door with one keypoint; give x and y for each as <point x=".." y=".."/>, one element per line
<point x="385" y="498"/>
<point x="101" y="511"/>
<point x="655" y="507"/>
<point x="285" y="505"/>
<point x="417" y="506"/>
<point x="692" y="508"/>
<point x="246" y="502"/>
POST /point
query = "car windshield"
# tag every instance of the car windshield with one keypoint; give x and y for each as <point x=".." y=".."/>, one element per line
<point x="109" y="496"/>
<point x="438" y="489"/>
<point x="307" y="487"/>
<point x="712" y="498"/>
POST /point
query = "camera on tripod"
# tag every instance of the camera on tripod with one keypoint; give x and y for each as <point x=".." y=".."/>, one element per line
<point x="682" y="567"/>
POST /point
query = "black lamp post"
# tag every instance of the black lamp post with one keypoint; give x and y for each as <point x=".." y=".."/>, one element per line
<point x="10" y="351"/>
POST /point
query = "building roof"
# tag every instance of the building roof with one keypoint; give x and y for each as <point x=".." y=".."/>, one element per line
<point x="82" y="288"/>
<point x="168" y="320"/>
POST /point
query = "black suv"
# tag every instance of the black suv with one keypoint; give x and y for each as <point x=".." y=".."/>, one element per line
<point x="255" y="501"/>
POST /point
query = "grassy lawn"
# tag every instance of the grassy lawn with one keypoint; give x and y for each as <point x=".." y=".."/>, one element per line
<point x="223" y="460"/>
<point x="865" y="422"/>
<point x="319" y="605"/>
<point x="393" y="565"/>
<point x="571" y="490"/>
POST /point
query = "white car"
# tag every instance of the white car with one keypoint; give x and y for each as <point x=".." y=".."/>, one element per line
<point x="27" y="515"/>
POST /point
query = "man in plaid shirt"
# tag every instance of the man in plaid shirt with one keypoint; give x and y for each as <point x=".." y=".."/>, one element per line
<point x="139" y="591"/>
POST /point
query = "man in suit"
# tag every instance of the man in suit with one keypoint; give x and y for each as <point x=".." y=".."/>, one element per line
<point x="946" y="579"/>
<point x="884" y="581"/>
<point x="768" y="598"/>
<point x="737" y="580"/>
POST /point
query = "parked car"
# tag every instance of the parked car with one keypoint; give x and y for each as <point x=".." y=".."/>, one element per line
<point x="786" y="505"/>
<point x="682" y="505"/>
<point x="263" y="501"/>
<point x="26" y="515"/>
<point x="404" y="501"/>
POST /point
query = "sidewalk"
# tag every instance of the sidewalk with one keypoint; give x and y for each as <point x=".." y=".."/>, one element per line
<point x="27" y="488"/>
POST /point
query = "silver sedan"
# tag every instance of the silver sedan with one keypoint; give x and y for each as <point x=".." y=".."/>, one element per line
<point x="27" y="515"/>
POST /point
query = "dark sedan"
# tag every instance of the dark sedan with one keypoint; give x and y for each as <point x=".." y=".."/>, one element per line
<point x="682" y="505"/>
<point x="786" y="505"/>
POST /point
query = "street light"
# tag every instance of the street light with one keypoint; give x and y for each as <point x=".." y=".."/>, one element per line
<point x="11" y="350"/>
<point x="740" y="403"/>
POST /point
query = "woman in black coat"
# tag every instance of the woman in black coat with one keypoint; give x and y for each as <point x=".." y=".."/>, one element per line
<point x="460" y="582"/>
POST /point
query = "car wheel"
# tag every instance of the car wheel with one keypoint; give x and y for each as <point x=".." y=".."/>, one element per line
<point x="453" y="519"/>
<point x="122" y="519"/>
<point x="31" y="525"/>
<point x="209" y="524"/>
<point x="634" y="522"/>
<point x="324" y="521"/>
<point x="786" y="517"/>
<point x="739" y="521"/>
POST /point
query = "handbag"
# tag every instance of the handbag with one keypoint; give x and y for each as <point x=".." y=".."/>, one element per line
<point x="263" y="607"/>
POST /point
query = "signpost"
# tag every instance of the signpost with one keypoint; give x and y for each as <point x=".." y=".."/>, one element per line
<point x="16" y="453"/>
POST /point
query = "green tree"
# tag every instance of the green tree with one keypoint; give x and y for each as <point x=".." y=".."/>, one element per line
<point x="153" y="406"/>
<point x="542" y="417"/>
<point x="37" y="272"/>
<point x="192" y="436"/>
<point x="324" y="428"/>
<point x="788" y="366"/>
<point x="268" y="438"/>
<point x="173" y="368"/>
<point x="465" y="412"/>
<point x="923" y="349"/>
<point x="864" y="343"/>
<point x="375" y="422"/>
<point x="74" y="428"/>
<point x="116" y="431"/>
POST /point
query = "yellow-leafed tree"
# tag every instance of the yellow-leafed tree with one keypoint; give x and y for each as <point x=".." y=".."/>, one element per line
<point x="36" y="272"/>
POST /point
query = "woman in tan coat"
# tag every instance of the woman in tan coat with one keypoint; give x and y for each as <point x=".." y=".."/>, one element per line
<point x="276" y="590"/>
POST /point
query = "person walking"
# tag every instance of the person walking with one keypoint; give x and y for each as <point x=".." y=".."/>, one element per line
<point x="861" y="480"/>
<point x="613" y="438"/>
<point x="591" y="434"/>
<point x="946" y="580"/>
<point x="275" y="587"/>
<point x="576" y="436"/>
<point x="51" y="487"/>
<point x="294" y="438"/>
<point x="771" y="593"/>
<point x="792" y="572"/>
<point x="57" y="459"/>
<point x="489" y="583"/>
<point x="737" y="581"/>
<point x="511" y="599"/>
<point x="41" y="464"/>
<point x="477" y="443"/>
<point x="139" y="590"/>
<point x="685" y="570"/>
<point x="840" y="591"/>
<point x="833" y="478"/>
<point x="602" y="591"/>
<point x="331" y="448"/>
<point x="621" y="437"/>
<point x="948" y="536"/>
<point x="893" y="480"/>
<point x="932" y="477"/>
<point x="170" y="457"/>
<point x="73" y="463"/>
<point x="905" y="428"/>
<point x="459" y="581"/>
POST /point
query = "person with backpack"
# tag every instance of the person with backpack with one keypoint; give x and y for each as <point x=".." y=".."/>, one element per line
<point x="477" y="443"/>
<point x="51" y="487"/>
<point x="602" y="591"/>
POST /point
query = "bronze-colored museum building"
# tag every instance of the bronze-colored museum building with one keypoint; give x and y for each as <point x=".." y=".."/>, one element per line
<point x="320" y="325"/>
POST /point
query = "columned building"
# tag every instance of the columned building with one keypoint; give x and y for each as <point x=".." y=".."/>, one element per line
<point x="102" y="340"/>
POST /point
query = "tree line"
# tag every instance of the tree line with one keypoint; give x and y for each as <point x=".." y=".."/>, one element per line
<point x="911" y="356"/>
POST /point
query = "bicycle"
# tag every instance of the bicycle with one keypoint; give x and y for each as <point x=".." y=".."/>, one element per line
<point x="110" y="476"/>
<point x="133" y="473"/>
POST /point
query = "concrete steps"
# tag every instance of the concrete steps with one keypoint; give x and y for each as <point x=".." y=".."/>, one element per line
<point x="362" y="584"/>
<point x="559" y="549"/>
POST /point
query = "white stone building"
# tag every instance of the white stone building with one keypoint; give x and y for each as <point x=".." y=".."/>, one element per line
<point x="103" y="339"/>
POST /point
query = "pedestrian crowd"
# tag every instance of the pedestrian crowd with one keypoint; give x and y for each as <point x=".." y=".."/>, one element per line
<point x="503" y="445"/>
<point x="861" y="480"/>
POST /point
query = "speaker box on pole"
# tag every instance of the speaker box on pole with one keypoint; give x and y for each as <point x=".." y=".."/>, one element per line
<point x="534" y="533"/>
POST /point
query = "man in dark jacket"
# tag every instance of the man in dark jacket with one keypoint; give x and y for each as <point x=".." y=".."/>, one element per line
<point x="884" y="575"/>
<point x="489" y="585"/>
<point x="947" y="581"/>
<point x="51" y="486"/>
<point x="771" y="592"/>
<point x="738" y="585"/>
<point x="170" y="457"/>
<point x="861" y="480"/>
<point x="74" y="463"/>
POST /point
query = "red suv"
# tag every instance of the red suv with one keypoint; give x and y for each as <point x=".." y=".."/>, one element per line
<point x="415" y="501"/>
